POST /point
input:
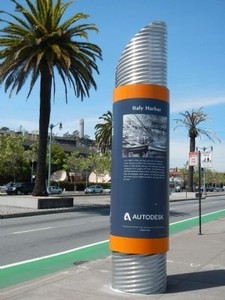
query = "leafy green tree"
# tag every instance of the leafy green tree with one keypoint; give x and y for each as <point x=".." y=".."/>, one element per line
<point x="103" y="134"/>
<point x="184" y="174"/>
<point x="31" y="158"/>
<point x="12" y="162"/>
<point x="107" y="161"/>
<point x="86" y="141"/>
<point x="36" y="42"/>
<point x="74" y="162"/>
<point x="100" y="163"/>
<point x="192" y="121"/>
<point x="58" y="157"/>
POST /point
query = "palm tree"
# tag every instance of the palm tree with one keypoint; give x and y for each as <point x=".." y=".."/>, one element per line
<point x="37" y="43"/>
<point x="191" y="121"/>
<point x="103" y="134"/>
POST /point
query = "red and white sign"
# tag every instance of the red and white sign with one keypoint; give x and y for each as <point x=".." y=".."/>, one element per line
<point x="193" y="159"/>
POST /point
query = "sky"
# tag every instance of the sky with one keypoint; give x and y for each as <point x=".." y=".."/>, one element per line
<point x="195" y="77"/>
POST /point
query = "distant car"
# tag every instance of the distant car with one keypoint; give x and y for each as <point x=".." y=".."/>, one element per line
<point x="177" y="189"/>
<point x="218" y="189"/>
<point x="107" y="191"/>
<point x="94" y="189"/>
<point x="197" y="189"/>
<point x="209" y="189"/>
<point x="55" y="190"/>
<point x="4" y="187"/>
<point x="20" y="188"/>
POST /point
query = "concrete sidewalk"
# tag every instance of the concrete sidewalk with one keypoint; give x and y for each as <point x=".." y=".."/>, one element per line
<point x="25" y="205"/>
<point x="195" y="270"/>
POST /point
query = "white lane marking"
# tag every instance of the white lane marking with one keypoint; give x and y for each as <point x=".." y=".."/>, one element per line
<point x="51" y="255"/>
<point x="32" y="230"/>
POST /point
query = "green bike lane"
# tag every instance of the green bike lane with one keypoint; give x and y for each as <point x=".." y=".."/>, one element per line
<point x="35" y="268"/>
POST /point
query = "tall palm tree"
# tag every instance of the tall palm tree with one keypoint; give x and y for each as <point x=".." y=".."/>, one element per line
<point x="34" y="44"/>
<point x="103" y="134"/>
<point x="191" y="121"/>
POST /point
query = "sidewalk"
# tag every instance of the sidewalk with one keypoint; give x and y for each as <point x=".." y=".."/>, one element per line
<point x="195" y="270"/>
<point x="17" y="206"/>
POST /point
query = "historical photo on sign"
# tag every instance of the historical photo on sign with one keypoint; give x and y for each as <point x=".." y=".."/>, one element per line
<point x="144" y="135"/>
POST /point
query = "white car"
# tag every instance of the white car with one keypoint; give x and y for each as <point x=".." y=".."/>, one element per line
<point x="55" y="190"/>
<point x="107" y="191"/>
<point x="94" y="189"/>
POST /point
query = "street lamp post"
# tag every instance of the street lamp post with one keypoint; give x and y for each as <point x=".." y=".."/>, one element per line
<point x="32" y="170"/>
<point x="50" y="152"/>
<point x="199" y="192"/>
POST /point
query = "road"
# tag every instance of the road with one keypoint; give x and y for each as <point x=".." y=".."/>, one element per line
<point x="37" y="236"/>
<point x="181" y="210"/>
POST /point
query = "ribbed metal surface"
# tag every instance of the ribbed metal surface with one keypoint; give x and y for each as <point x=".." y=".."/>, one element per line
<point x="144" y="274"/>
<point x="144" y="59"/>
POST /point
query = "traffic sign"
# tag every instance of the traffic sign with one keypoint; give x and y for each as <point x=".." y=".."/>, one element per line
<point x="206" y="159"/>
<point x="193" y="159"/>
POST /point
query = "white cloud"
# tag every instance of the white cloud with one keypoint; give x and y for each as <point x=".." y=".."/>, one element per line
<point x="179" y="150"/>
<point x="181" y="104"/>
<point x="219" y="157"/>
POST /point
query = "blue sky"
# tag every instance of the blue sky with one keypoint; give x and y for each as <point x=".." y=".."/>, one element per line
<point x="196" y="69"/>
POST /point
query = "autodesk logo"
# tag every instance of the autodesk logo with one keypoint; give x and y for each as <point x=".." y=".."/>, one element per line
<point x="127" y="217"/>
<point x="153" y="217"/>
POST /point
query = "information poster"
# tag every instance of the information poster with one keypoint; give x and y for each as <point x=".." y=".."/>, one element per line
<point x="139" y="170"/>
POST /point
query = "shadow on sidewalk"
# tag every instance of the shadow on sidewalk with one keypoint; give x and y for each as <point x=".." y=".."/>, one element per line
<point x="195" y="281"/>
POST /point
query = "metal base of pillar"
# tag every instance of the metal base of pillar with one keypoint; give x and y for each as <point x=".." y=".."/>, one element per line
<point x="144" y="274"/>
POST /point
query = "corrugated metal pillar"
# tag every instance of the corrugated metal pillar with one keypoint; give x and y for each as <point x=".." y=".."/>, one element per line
<point x="140" y="164"/>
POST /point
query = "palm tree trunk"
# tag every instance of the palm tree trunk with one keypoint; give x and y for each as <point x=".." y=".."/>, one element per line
<point x="44" y="118"/>
<point x="190" y="179"/>
<point x="191" y="168"/>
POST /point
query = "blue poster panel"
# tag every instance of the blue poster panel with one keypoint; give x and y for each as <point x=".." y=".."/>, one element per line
<point x="140" y="156"/>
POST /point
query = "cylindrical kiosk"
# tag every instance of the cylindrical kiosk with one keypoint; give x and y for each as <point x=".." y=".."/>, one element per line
<point x="140" y="165"/>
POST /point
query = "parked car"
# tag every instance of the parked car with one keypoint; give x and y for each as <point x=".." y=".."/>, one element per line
<point x="20" y="188"/>
<point x="177" y="189"/>
<point x="55" y="190"/>
<point x="218" y="189"/>
<point x="209" y="188"/>
<point x="94" y="189"/>
<point x="107" y="191"/>
<point x="197" y="189"/>
<point x="4" y="187"/>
